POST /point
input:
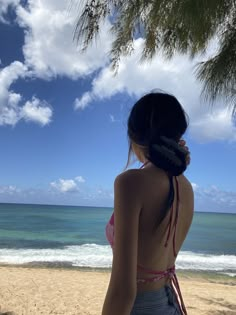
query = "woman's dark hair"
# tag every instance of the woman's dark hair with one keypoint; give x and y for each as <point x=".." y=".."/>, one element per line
<point x="157" y="121"/>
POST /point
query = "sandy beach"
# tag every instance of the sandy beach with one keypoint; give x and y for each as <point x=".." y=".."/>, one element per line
<point x="33" y="291"/>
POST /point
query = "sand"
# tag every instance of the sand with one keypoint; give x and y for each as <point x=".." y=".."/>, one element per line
<point x="33" y="291"/>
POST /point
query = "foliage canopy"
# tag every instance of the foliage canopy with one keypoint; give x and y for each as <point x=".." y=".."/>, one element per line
<point x="175" y="26"/>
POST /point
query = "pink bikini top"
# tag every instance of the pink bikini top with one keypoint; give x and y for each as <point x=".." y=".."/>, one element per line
<point x="158" y="275"/>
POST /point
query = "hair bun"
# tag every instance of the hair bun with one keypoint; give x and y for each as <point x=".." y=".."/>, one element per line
<point x="168" y="155"/>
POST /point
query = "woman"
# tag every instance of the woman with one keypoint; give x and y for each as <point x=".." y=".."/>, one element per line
<point x="153" y="210"/>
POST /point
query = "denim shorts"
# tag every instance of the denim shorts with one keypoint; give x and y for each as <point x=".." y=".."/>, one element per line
<point x="156" y="302"/>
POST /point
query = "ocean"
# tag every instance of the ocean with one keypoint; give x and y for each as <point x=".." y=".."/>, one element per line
<point x="75" y="237"/>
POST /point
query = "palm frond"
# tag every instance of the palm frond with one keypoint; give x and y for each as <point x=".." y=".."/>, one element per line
<point x="219" y="73"/>
<point x="125" y="28"/>
<point x="88" y="24"/>
<point x="177" y="26"/>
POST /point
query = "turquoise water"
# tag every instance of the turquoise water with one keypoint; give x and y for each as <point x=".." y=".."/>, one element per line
<point x="40" y="226"/>
<point x="75" y="235"/>
<point x="213" y="233"/>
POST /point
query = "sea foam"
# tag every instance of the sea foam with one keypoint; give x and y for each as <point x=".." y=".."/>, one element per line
<point x="100" y="256"/>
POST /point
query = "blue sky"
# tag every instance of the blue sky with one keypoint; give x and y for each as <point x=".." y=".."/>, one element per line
<point x="63" y="114"/>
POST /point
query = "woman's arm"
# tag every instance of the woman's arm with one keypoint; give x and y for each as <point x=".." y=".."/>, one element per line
<point x="127" y="206"/>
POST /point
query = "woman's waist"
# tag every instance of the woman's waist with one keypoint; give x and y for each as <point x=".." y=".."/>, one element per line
<point x="153" y="285"/>
<point x="160" y="272"/>
<point x="150" y="279"/>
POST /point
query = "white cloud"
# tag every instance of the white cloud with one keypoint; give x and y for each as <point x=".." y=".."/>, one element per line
<point x="10" y="113"/>
<point x="37" y="111"/>
<point x="9" y="75"/>
<point x="49" y="52"/>
<point x="113" y="119"/>
<point x="80" y="179"/>
<point x="62" y="193"/>
<point x="4" y="6"/>
<point x="66" y="191"/>
<point x="14" y="99"/>
<point x="67" y="185"/>
<point x="11" y="109"/>
<point x="137" y="78"/>
<point x="9" y="190"/>
<point x="49" y="49"/>
<point x="195" y="186"/>
<point x="104" y="193"/>
<point x="215" y="125"/>
<point x="214" y="199"/>
<point x="83" y="102"/>
<point x="174" y="76"/>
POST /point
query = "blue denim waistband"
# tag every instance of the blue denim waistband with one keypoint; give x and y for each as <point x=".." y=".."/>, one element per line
<point x="161" y="301"/>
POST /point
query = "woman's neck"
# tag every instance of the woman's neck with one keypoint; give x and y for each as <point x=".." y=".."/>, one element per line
<point x="145" y="164"/>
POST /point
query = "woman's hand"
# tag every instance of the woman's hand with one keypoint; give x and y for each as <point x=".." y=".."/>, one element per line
<point x="182" y="143"/>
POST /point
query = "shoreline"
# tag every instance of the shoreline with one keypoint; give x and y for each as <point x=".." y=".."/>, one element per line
<point x="35" y="290"/>
<point x="184" y="273"/>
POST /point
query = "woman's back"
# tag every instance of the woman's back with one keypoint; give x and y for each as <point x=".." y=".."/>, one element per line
<point x="144" y="231"/>
<point x="152" y="252"/>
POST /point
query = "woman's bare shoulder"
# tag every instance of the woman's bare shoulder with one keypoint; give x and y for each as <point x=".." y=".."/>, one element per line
<point x="139" y="176"/>
<point x="129" y="177"/>
<point x="128" y="189"/>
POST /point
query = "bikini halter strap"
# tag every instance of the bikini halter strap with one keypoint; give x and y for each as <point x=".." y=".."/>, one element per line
<point x="171" y="215"/>
<point x="175" y="219"/>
